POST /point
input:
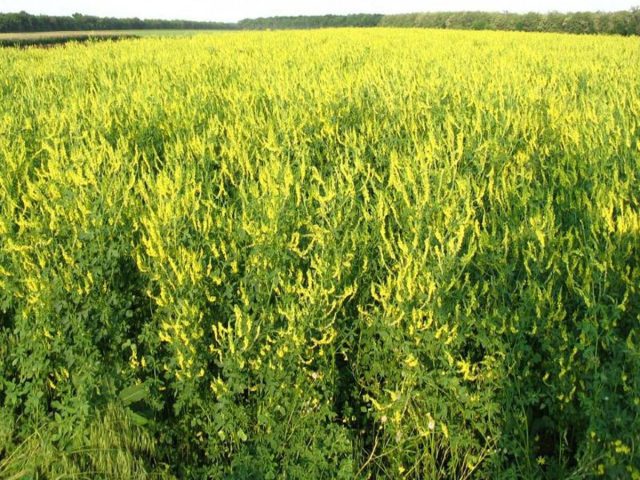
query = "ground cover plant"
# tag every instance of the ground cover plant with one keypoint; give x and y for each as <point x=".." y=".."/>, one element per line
<point x="51" y="39"/>
<point x="324" y="254"/>
<point x="57" y="38"/>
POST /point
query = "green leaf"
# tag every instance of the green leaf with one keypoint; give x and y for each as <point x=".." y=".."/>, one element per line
<point x="133" y="394"/>
<point x="138" y="419"/>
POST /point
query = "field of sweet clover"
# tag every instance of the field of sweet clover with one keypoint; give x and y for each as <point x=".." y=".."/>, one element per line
<point x="325" y="254"/>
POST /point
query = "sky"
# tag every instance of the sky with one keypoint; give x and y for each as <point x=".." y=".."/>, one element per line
<point x="220" y="10"/>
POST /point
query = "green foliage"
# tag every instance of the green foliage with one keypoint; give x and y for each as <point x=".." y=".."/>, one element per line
<point x="110" y="447"/>
<point x="617" y="23"/>
<point x="311" y="21"/>
<point x="25" y="22"/>
<point x="626" y="22"/>
<point x="333" y="254"/>
<point x="48" y="40"/>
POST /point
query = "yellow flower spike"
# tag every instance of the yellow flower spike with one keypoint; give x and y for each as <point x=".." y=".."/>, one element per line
<point x="411" y="361"/>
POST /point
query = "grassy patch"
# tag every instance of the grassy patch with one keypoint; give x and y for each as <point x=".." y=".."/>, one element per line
<point x="46" y="39"/>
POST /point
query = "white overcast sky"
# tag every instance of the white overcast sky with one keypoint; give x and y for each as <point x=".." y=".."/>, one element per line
<point x="237" y="9"/>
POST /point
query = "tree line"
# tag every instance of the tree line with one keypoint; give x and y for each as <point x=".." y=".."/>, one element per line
<point x="618" y="23"/>
<point x="317" y="21"/>
<point x="621" y="23"/>
<point x="25" y="22"/>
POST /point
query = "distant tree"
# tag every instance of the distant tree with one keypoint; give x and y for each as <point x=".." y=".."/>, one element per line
<point x="24" y="22"/>
<point x="579" y="23"/>
<point x="621" y="23"/>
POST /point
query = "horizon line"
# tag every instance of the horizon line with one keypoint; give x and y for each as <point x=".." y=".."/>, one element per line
<point x="231" y="22"/>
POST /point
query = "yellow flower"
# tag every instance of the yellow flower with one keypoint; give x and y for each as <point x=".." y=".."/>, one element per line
<point x="411" y="361"/>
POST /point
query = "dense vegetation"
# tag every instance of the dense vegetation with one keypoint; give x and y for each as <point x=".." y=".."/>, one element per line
<point x="332" y="254"/>
<point x="320" y="21"/>
<point x="25" y="22"/>
<point x="49" y="39"/>
<point x="619" y="23"/>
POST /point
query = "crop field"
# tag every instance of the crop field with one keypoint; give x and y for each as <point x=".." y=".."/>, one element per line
<point x="336" y="254"/>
